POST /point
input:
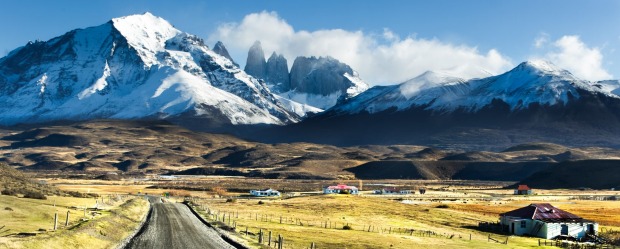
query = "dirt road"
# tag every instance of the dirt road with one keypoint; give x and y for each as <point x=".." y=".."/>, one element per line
<point x="172" y="225"/>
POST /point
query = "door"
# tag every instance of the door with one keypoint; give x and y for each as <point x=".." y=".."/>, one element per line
<point x="591" y="229"/>
<point x="512" y="228"/>
<point x="564" y="229"/>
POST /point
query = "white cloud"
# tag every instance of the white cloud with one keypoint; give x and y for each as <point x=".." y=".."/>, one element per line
<point x="541" y="40"/>
<point x="570" y="53"/>
<point x="382" y="59"/>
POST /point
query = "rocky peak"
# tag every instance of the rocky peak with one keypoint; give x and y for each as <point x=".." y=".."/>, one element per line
<point x="256" y="64"/>
<point x="220" y="49"/>
<point x="322" y="75"/>
<point x="277" y="71"/>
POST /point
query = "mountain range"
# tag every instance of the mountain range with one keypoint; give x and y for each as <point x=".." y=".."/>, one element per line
<point x="142" y="67"/>
<point x="132" y="67"/>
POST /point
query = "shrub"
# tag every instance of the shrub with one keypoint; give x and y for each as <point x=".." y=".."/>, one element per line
<point x="260" y="203"/>
<point x="35" y="195"/>
<point x="231" y="200"/>
<point x="443" y="206"/>
<point x="347" y="227"/>
<point x="9" y="192"/>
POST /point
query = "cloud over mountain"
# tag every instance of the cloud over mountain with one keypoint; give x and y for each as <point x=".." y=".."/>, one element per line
<point x="380" y="59"/>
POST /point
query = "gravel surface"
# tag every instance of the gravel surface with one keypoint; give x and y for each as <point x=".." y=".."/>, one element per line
<point x="172" y="225"/>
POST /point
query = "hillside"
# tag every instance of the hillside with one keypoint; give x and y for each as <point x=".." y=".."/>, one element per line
<point x="159" y="147"/>
<point x="15" y="181"/>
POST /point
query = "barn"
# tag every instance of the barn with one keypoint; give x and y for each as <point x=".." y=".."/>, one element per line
<point x="546" y="221"/>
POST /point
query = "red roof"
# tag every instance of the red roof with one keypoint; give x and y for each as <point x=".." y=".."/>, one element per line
<point x="523" y="187"/>
<point x="541" y="211"/>
<point x="342" y="187"/>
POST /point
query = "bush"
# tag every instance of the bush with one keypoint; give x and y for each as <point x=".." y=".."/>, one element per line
<point x="231" y="200"/>
<point x="443" y="206"/>
<point x="347" y="227"/>
<point x="35" y="195"/>
<point x="9" y="192"/>
<point x="260" y="203"/>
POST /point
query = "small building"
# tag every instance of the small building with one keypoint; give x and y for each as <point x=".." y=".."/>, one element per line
<point x="523" y="190"/>
<point x="546" y="221"/>
<point x="265" y="192"/>
<point x="340" y="189"/>
<point x="392" y="191"/>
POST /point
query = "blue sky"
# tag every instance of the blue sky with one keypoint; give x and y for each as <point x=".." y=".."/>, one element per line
<point x="493" y="36"/>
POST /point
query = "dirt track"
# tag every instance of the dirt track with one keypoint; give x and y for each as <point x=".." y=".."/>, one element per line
<point x="172" y="225"/>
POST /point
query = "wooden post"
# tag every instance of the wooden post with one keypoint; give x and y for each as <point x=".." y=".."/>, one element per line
<point x="67" y="220"/>
<point x="260" y="236"/>
<point x="269" y="241"/>
<point x="246" y="230"/>
<point x="390" y="232"/>
<point x="280" y="219"/>
<point x="280" y="241"/>
<point x="489" y="238"/>
<point x="84" y="212"/>
<point x="55" y="220"/>
<point x="470" y="238"/>
<point x="312" y="245"/>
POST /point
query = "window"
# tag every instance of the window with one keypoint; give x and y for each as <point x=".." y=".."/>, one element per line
<point x="523" y="224"/>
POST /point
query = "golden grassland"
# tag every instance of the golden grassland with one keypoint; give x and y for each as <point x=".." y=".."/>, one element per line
<point x="304" y="217"/>
<point x="102" y="231"/>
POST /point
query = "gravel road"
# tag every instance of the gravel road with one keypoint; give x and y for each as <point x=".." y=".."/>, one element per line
<point x="172" y="225"/>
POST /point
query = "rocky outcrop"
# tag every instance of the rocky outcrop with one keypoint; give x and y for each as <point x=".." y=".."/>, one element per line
<point x="277" y="71"/>
<point x="256" y="64"/>
<point x="220" y="49"/>
<point x="322" y="75"/>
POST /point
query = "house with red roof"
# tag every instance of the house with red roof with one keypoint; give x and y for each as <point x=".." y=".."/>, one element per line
<point x="340" y="189"/>
<point x="523" y="190"/>
<point x="546" y="221"/>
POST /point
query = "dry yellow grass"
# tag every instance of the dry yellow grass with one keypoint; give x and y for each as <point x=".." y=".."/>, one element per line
<point x="360" y="213"/>
<point x="106" y="231"/>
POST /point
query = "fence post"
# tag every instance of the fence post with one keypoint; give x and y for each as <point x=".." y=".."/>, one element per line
<point x="470" y="237"/>
<point x="55" y="220"/>
<point x="489" y="238"/>
<point x="260" y="236"/>
<point x="269" y="243"/>
<point x="312" y="245"/>
<point x="246" y="230"/>
<point x="281" y="242"/>
<point x="67" y="220"/>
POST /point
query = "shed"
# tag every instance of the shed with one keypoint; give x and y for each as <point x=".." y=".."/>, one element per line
<point x="523" y="190"/>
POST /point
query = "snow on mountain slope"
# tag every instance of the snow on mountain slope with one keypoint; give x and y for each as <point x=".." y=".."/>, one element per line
<point x="131" y="67"/>
<point x="610" y="86"/>
<point x="530" y="82"/>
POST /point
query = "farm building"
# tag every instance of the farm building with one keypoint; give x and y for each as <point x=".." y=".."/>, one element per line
<point x="546" y="221"/>
<point x="523" y="190"/>
<point x="265" y="192"/>
<point x="340" y="189"/>
<point x="392" y="191"/>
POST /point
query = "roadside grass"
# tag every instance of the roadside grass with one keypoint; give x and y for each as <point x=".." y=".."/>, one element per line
<point x="28" y="215"/>
<point x="359" y="213"/>
<point x="104" y="231"/>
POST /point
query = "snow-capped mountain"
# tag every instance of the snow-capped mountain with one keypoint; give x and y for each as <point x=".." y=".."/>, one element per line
<point x="536" y="101"/>
<point x="532" y="82"/>
<point x="317" y="83"/>
<point x="130" y="67"/>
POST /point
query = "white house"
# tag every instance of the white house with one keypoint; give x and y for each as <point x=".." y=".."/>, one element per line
<point x="392" y="191"/>
<point x="340" y="189"/>
<point x="265" y="192"/>
<point x="546" y="221"/>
